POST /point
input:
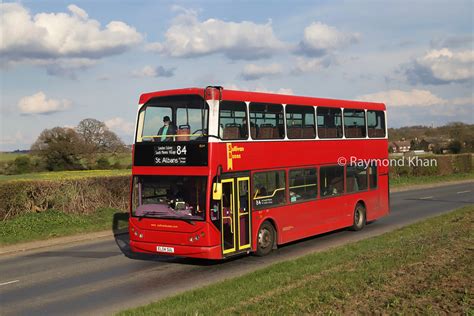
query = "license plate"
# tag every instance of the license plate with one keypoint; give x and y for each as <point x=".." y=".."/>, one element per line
<point x="165" y="249"/>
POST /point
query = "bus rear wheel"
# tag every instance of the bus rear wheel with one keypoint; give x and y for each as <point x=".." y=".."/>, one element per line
<point x="265" y="239"/>
<point x="359" y="217"/>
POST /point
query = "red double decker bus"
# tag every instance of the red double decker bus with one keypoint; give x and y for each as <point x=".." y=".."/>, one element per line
<point x="220" y="172"/>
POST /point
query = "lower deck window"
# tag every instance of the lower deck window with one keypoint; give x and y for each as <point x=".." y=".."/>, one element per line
<point x="373" y="177"/>
<point x="269" y="189"/>
<point x="356" y="177"/>
<point x="331" y="180"/>
<point x="303" y="184"/>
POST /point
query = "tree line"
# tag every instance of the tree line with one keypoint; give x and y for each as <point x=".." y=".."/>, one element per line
<point x="85" y="146"/>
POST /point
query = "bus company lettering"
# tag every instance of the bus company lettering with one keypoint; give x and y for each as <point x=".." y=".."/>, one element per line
<point x="233" y="152"/>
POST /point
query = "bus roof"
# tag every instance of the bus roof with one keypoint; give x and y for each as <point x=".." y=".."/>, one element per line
<point x="236" y="95"/>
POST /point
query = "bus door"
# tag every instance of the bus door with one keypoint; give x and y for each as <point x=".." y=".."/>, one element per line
<point x="235" y="214"/>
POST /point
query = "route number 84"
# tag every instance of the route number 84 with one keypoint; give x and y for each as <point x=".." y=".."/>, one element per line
<point x="181" y="150"/>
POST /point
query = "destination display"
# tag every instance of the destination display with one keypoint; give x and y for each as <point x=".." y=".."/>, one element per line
<point x="171" y="154"/>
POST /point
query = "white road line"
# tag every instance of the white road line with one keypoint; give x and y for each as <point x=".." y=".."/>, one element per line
<point x="9" y="282"/>
<point x="461" y="192"/>
<point x="426" y="197"/>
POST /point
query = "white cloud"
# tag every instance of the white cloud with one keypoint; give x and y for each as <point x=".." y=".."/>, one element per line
<point x="150" y="71"/>
<point x="417" y="107"/>
<point x="463" y="101"/>
<point x="419" y="98"/>
<point x="119" y="125"/>
<point x="304" y="65"/>
<point x="188" y="37"/>
<point x="320" y="39"/>
<point x="67" y="67"/>
<point x="252" y="71"/>
<point x="403" y="98"/>
<point x="279" y="91"/>
<point x="17" y="138"/>
<point x="259" y="88"/>
<point x="441" y="66"/>
<point x="49" y="36"/>
<point x="39" y="104"/>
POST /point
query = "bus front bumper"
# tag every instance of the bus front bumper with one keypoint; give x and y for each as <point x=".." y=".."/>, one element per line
<point x="214" y="252"/>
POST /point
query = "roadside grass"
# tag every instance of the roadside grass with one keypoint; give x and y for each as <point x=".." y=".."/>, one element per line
<point x="51" y="223"/>
<point x="410" y="180"/>
<point x="425" y="268"/>
<point x="63" y="175"/>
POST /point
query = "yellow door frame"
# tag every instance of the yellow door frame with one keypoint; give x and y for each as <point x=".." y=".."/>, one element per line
<point x="232" y="219"/>
<point x="239" y="214"/>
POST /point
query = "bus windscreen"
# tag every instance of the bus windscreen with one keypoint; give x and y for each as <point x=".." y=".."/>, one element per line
<point x="169" y="197"/>
<point x="181" y="118"/>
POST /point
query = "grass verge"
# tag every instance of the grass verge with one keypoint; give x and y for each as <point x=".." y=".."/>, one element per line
<point x="51" y="223"/>
<point x="410" y="180"/>
<point x="426" y="268"/>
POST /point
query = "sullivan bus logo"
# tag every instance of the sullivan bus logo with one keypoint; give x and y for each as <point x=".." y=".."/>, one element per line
<point x="233" y="152"/>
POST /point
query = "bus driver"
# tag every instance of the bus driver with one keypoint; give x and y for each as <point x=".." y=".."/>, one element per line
<point x="167" y="131"/>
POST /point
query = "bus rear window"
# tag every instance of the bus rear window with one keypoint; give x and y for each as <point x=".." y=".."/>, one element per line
<point x="169" y="197"/>
<point x="376" y="123"/>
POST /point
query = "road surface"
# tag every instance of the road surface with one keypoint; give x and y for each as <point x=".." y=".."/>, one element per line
<point x="96" y="277"/>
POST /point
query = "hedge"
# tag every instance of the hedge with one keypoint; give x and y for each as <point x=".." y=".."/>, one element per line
<point x="445" y="165"/>
<point x="77" y="196"/>
<point x="86" y="195"/>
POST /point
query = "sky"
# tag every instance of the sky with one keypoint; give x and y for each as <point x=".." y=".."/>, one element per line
<point x="61" y="62"/>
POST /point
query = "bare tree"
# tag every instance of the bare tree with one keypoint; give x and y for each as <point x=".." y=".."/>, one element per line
<point x="98" y="138"/>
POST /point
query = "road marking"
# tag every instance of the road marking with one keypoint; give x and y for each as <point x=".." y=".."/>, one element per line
<point x="461" y="192"/>
<point x="426" y="197"/>
<point x="9" y="282"/>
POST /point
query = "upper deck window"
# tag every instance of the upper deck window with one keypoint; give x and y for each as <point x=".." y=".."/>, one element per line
<point x="233" y="120"/>
<point x="300" y="122"/>
<point x="175" y="118"/>
<point x="376" y="123"/>
<point x="354" y="123"/>
<point x="329" y="122"/>
<point x="266" y="121"/>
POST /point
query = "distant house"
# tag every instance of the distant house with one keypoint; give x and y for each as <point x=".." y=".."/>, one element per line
<point x="402" y="146"/>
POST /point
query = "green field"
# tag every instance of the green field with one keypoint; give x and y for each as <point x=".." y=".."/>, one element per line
<point x="62" y="175"/>
<point x="5" y="157"/>
<point x="426" y="268"/>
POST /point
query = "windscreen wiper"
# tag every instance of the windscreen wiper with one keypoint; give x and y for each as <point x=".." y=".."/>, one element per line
<point x="167" y="217"/>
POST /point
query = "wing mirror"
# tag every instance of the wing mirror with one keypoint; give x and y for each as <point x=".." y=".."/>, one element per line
<point x="217" y="191"/>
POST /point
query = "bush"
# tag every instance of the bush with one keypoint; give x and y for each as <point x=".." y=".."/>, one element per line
<point x="22" y="164"/>
<point x="78" y="196"/>
<point x="103" y="163"/>
<point x="446" y="165"/>
<point x="462" y="163"/>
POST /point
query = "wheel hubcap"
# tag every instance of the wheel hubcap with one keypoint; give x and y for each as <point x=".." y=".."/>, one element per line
<point x="358" y="217"/>
<point x="264" y="238"/>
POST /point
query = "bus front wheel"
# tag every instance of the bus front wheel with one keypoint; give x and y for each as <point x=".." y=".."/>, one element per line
<point x="359" y="217"/>
<point x="265" y="239"/>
